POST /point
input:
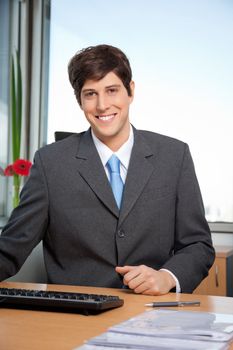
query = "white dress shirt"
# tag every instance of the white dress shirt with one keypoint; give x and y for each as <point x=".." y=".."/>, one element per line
<point x="124" y="154"/>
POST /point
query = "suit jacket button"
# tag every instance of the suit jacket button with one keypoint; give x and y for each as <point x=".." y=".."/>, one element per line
<point x="121" y="233"/>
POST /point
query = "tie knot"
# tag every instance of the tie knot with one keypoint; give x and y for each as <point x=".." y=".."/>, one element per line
<point x="114" y="164"/>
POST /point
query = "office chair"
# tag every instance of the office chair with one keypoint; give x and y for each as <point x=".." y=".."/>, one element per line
<point x="60" y="135"/>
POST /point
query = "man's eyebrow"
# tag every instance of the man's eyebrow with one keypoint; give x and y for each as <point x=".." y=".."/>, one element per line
<point x="111" y="86"/>
<point x="106" y="87"/>
<point x="85" y="90"/>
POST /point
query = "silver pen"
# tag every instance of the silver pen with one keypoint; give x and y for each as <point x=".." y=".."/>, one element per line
<point x="174" y="303"/>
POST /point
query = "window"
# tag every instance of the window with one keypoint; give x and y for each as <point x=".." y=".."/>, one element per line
<point x="181" y="54"/>
<point x="24" y="26"/>
<point x="4" y="96"/>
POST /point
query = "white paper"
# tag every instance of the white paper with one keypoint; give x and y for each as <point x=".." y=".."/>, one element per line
<point x="179" y="324"/>
<point x="111" y="340"/>
<point x="167" y="330"/>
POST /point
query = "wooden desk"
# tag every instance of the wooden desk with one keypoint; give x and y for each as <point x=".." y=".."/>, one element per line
<point x="32" y="330"/>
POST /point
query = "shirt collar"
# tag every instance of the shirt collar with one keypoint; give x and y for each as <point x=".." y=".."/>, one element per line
<point x="123" y="153"/>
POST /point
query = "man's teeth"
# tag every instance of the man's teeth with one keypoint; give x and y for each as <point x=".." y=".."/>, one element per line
<point x="106" y="117"/>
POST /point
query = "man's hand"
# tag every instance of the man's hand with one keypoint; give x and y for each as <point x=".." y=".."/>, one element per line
<point x="145" y="280"/>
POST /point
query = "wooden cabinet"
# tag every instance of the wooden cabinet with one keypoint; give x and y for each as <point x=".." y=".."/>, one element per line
<point x="220" y="279"/>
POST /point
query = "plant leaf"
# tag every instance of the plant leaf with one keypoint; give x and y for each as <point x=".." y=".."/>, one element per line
<point x="1" y="171"/>
<point x="16" y="105"/>
<point x="13" y="110"/>
<point x="19" y="101"/>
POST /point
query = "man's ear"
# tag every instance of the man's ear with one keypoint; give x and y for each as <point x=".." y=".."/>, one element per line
<point x="132" y="87"/>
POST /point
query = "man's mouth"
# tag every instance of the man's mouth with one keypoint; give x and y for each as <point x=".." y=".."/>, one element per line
<point x="106" y="117"/>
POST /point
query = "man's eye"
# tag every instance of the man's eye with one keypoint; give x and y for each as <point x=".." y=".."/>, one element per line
<point x="89" y="94"/>
<point x="112" y="91"/>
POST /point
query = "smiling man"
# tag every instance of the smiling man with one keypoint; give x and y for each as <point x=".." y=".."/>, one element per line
<point x="114" y="206"/>
<point x="105" y="104"/>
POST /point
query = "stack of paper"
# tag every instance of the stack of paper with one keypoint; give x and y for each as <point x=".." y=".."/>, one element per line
<point x="168" y="329"/>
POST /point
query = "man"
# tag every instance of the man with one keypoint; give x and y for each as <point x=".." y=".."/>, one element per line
<point x="147" y="232"/>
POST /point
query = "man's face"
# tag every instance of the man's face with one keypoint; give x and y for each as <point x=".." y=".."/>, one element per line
<point x="105" y="104"/>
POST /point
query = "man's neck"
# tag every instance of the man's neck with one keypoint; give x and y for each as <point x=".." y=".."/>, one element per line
<point x="112" y="144"/>
<point x="115" y="142"/>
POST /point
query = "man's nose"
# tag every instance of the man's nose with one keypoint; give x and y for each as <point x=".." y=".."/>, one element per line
<point x="102" y="103"/>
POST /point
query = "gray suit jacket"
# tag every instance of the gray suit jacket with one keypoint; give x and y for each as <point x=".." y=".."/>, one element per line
<point x="68" y="203"/>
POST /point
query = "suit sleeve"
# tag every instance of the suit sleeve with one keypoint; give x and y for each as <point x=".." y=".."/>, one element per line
<point x="193" y="250"/>
<point x="27" y="223"/>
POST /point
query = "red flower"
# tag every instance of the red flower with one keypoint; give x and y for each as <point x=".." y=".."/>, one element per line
<point x="9" y="171"/>
<point x="22" y="167"/>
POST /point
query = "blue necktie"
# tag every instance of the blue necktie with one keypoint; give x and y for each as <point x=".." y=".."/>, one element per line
<point x="116" y="182"/>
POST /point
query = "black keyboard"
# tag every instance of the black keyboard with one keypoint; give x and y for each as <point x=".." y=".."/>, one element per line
<point x="57" y="301"/>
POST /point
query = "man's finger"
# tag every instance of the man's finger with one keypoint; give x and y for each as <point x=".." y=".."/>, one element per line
<point x="124" y="269"/>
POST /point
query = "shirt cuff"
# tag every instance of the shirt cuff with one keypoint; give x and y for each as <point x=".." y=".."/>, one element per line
<point x="178" y="289"/>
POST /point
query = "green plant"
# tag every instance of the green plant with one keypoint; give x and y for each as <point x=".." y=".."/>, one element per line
<point x="19" y="167"/>
<point x="16" y="118"/>
<point x="16" y="104"/>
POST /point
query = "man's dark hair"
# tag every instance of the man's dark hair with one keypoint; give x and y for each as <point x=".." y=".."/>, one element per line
<point x="94" y="62"/>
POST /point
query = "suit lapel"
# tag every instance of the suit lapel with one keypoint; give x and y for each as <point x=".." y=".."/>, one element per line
<point x="92" y="171"/>
<point x="139" y="172"/>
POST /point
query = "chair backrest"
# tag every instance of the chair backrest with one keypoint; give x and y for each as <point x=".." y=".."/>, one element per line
<point x="60" y="135"/>
<point x="33" y="270"/>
